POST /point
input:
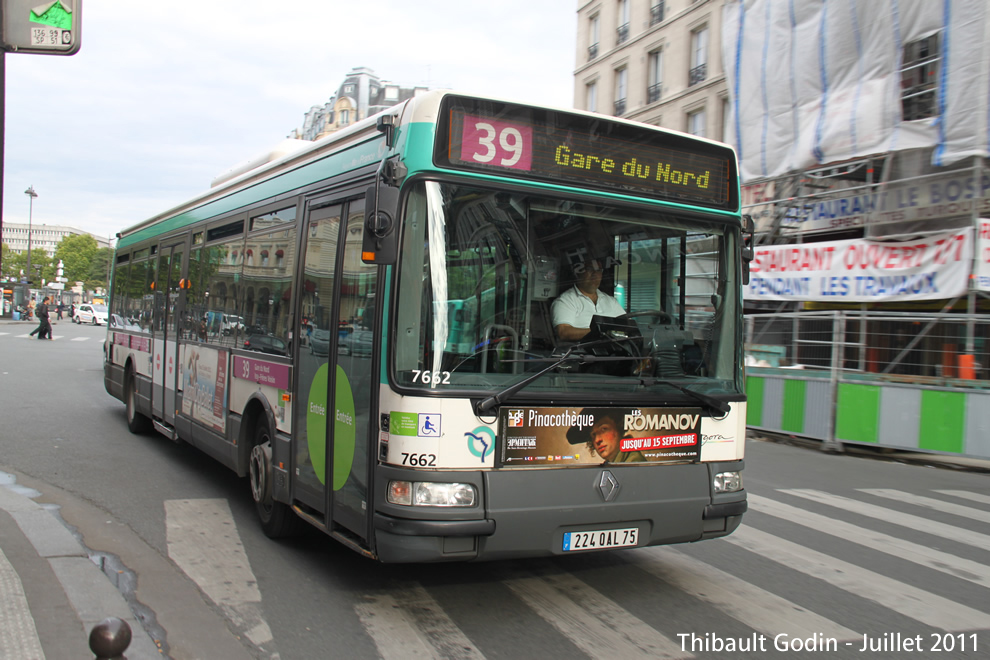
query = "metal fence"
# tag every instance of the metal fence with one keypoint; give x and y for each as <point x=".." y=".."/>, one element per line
<point x="949" y="349"/>
<point x="904" y="381"/>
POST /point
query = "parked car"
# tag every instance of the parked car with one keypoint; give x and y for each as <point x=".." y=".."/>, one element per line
<point x="91" y="313"/>
<point x="319" y="342"/>
<point x="266" y="344"/>
<point x="357" y="343"/>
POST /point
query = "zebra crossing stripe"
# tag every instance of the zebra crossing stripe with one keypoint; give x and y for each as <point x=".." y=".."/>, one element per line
<point x="79" y="339"/>
<point x="17" y="631"/>
<point x="930" y="503"/>
<point x="916" y="523"/>
<point x="409" y="623"/>
<point x="579" y="612"/>
<point x="964" y="569"/>
<point x="966" y="495"/>
<point x="757" y="608"/>
<point x="923" y="606"/>
<point x="203" y="541"/>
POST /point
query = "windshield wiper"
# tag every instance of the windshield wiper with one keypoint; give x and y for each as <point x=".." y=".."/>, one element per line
<point x="711" y="402"/>
<point x="484" y="405"/>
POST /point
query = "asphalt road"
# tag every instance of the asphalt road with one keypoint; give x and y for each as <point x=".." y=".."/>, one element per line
<point x="834" y="548"/>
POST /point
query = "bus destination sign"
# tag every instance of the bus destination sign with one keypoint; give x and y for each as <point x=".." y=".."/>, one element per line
<point x="573" y="149"/>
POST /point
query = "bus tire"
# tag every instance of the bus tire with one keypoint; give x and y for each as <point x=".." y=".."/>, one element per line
<point x="277" y="518"/>
<point x="137" y="423"/>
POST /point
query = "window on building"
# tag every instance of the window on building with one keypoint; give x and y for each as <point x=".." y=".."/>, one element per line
<point x="919" y="78"/>
<point x="594" y="35"/>
<point x="591" y="97"/>
<point x="699" y="56"/>
<point x="696" y="123"/>
<point x="622" y="31"/>
<point x="345" y="117"/>
<point x="621" y="78"/>
<point x="654" y="81"/>
<point x="656" y="12"/>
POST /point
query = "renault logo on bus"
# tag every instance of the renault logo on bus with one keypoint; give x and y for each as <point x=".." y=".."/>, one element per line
<point x="608" y="486"/>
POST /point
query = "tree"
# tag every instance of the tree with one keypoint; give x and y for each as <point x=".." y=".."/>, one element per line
<point x="41" y="264"/>
<point x="7" y="256"/>
<point x="76" y="253"/>
<point x="96" y="277"/>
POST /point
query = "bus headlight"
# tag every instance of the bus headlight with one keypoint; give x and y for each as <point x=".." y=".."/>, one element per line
<point x="728" y="482"/>
<point x="429" y="493"/>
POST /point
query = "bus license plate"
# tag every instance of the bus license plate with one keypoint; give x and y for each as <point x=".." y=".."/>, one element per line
<point x="601" y="539"/>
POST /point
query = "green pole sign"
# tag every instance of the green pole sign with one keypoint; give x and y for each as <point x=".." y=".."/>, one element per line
<point x="41" y="27"/>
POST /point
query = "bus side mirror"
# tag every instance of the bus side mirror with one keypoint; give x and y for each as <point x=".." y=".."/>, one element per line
<point x="748" y="231"/>
<point x="381" y="239"/>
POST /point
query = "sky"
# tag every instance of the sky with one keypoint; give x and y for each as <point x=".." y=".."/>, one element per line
<point x="165" y="95"/>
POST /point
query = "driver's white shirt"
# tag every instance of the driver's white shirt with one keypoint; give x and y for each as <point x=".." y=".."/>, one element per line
<point x="576" y="309"/>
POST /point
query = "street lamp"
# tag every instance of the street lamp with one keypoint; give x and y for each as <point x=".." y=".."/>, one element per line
<point x="31" y="195"/>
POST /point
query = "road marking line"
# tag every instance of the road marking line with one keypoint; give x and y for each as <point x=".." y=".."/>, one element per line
<point x="757" y="608"/>
<point x="18" y="635"/>
<point x="918" y="604"/>
<point x="964" y="569"/>
<point x="966" y="495"/>
<point x="202" y="540"/>
<point x="410" y="623"/>
<point x="579" y="612"/>
<point x="929" y="503"/>
<point x="916" y="523"/>
<point x="80" y="339"/>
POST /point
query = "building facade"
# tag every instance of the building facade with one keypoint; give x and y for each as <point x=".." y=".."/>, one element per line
<point x="654" y="61"/>
<point x="43" y="237"/>
<point x="361" y="95"/>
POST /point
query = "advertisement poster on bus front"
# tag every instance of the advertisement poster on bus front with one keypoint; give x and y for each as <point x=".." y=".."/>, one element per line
<point x="542" y="437"/>
<point x="204" y="386"/>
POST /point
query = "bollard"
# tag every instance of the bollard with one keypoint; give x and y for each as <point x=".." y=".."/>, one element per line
<point x="109" y="639"/>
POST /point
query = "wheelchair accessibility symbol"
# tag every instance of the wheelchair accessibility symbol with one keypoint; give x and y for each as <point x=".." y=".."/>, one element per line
<point x="429" y="425"/>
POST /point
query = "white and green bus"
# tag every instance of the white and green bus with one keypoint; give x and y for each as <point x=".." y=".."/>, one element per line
<point x="395" y="376"/>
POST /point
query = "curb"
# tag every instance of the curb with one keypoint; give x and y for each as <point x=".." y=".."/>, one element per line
<point x="90" y="593"/>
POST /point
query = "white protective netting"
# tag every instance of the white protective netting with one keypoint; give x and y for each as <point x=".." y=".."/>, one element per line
<point x="818" y="81"/>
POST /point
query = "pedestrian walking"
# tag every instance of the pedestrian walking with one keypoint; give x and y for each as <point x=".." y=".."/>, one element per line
<point x="44" y="328"/>
<point x="60" y="309"/>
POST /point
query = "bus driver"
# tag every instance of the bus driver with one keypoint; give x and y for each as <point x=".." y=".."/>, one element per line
<point x="572" y="310"/>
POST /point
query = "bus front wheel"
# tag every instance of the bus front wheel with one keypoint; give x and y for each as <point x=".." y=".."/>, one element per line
<point x="277" y="519"/>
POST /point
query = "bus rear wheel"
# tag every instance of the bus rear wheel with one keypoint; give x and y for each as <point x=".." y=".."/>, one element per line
<point x="136" y="422"/>
<point x="277" y="518"/>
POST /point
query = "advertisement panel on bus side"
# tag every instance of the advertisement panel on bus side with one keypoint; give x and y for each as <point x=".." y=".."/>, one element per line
<point x="204" y="386"/>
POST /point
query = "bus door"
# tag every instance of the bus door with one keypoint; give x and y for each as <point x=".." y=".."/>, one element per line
<point x="334" y="375"/>
<point x="168" y="303"/>
<point x="314" y="353"/>
<point x="354" y="381"/>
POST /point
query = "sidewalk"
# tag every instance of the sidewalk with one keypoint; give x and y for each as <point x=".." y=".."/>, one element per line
<point x="51" y="593"/>
<point x="54" y="587"/>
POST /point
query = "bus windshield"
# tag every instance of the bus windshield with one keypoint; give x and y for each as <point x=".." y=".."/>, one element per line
<point x="495" y="286"/>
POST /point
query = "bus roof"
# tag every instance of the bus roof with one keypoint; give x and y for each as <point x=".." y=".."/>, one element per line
<point x="291" y="154"/>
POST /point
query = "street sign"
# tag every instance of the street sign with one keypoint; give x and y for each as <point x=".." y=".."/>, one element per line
<point x="42" y="27"/>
